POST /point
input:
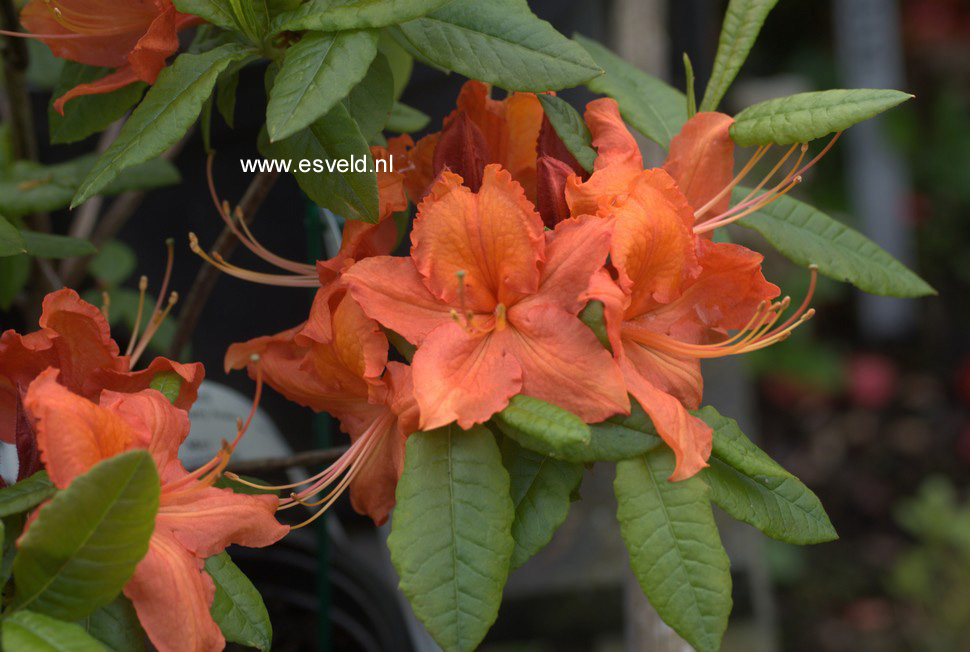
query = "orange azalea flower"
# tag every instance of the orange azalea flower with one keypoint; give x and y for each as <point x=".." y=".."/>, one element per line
<point x="345" y="376"/>
<point x="169" y="589"/>
<point x="133" y="36"/>
<point x="675" y="294"/>
<point x="75" y="338"/>
<point x="491" y="301"/>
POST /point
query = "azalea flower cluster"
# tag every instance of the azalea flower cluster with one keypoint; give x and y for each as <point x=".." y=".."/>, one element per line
<point x="67" y="393"/>
<point x="512" y="240"/>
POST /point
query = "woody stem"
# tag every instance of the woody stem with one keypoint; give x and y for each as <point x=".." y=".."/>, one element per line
<point x="205" y="280"/>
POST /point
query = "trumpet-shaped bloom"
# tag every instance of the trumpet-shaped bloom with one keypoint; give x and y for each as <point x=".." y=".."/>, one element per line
<point x="169" y="589"/>
<point x="133" y="36"/>
<point x="343" y="374"/>
<point x="490" y="299"/>
<point x="75" y="338"/>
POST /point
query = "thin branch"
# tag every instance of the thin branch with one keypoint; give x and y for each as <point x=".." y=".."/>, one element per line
<point x="306" y="458"/>
<point x="205" y="280"/>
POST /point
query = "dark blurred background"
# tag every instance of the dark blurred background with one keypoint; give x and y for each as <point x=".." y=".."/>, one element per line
<point x="869" y="404"/>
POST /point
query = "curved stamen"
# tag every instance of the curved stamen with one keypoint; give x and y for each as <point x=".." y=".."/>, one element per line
<point x="217" y="261"/>
<point x="142" y="287"/>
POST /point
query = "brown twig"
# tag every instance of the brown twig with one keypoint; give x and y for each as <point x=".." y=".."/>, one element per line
<point x="205" y="280"/>
<point x="306" y="458"/>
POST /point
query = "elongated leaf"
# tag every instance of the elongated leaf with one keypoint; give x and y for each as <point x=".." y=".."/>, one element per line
<point x="11" y="242"/>
<point x="333" y="138"/>
<point x="27" y="493"/>
<point x="317" y="73"/>
<point x="114" y="263"/>
<point x="805" y="116"/>
<point x="654" y="108"/>
<point x="542" y="426"/>
<point x="405" y="119"/>
<point x="501" y="42"/>
<point x="451" y="540"/>
<point x="750" y="486"/>
<point x="14" y="272"/>
<point x="226" y="95"/>
<point x="116" y="626"/>
<point x="27" y="630"/>
<point x="781" y="507"/>
<point x="84" y="545"/>
<point x="806" y="235"/>
<point x="238" y="607"/>
<point x="674" y="547"/>
<point x="592" y="316"/>
<point x="570" y="128"/>
<point x="48" y="245"/>
<point x="619" y="438"/>
<point x="541" y="490"/>
<point x="399" y="59"/>
<point x="216" y="12"/>
<point x="88" y="114"/>
<point x="370" y="101"/>
<point x="335" y="15"/>
<point x="742" y="22"/>
<point x="252" y="16"/>
<point x="168" y="110"/>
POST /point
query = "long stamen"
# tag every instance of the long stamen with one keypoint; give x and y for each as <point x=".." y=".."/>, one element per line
<point x="758" y="154"/>
<point x="153" y="325"/>
<point x="217" y="261"/>
<point x="245" y="236"/>
<point x="142" y="287"/>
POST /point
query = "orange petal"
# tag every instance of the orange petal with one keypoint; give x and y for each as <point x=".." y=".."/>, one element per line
<point x="653" y="246"/>
<point x="401" y="396"/>
<point x="574" y="252"/>
<point x="73" y="433"/>
<point x="118" y="79"/>
<point x="563" y="362"/>
<point x="390" y="187"/>
<point x="461" y="149"/>
<point x="687" y="436"/>
<point x="158" y="425"/>
<point x="495" y="237"/>
<point x="617" y="161"/>
<point x="159" y="42"/>
<point x="390" y="290"/>
<point x="604" y="289"/>
<point x="22" y="357"/>
<point x="523" y="120"/>
<point x="191" y="374"/>
<point x="551" y="177"/>
<point x="725" y="295"/>
<point x="372" y="487"/>
<point x="172" y="594"/>
<point x="701" y="160"/>
<point x="464" y="378"/>
<point x="678" y="376"/>
<point x="206" y="521"/>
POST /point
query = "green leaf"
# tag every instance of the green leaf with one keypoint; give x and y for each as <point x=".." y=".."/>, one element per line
<point x="541" y="426"/>
<point x="14" y="272"/>
<point x="84" y="545"/>
<point x="226" y="88"/>
<point x="168" y="110"/>
<point x="11" y="242"/>
<point x="27" y="630"/>
<point x="88" y="114"/>
<point x="333" y="138"/>
<point x="28" y="493"/>
<point x="750" y="486"/>
<point x="501" y="42"/>
<point x="168" y="383"/>
<point x="742" y="22"/>
<point x="399" y="59"/>
<point x="653" y="108"/>
<point x="252" y="16"/>
<point x="48" y="245"/>
<point x="805" y="116"/>
<point x="806" y="235"/>
<point x="570" y="128"/>
<point x="541" y="489"/>
<point x="592" y="316"/>
<point x="113" y="264"/>
<point x="216" y="12"/>
<point x="335" y="15"/>
<point x="238" y="607"/>
<point x="13" y="527"/>
<point x="405" y="119"/>
<point x="689" y="74"/>
<point x="674" y="547"/>
<point x="370" y="101"/>
<point x="451" y="540"/>
<point x="316" y="73"/>
<point x="781" y="507"/>
<point x="619" y="438"/>
<point x="116" y="626"/>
